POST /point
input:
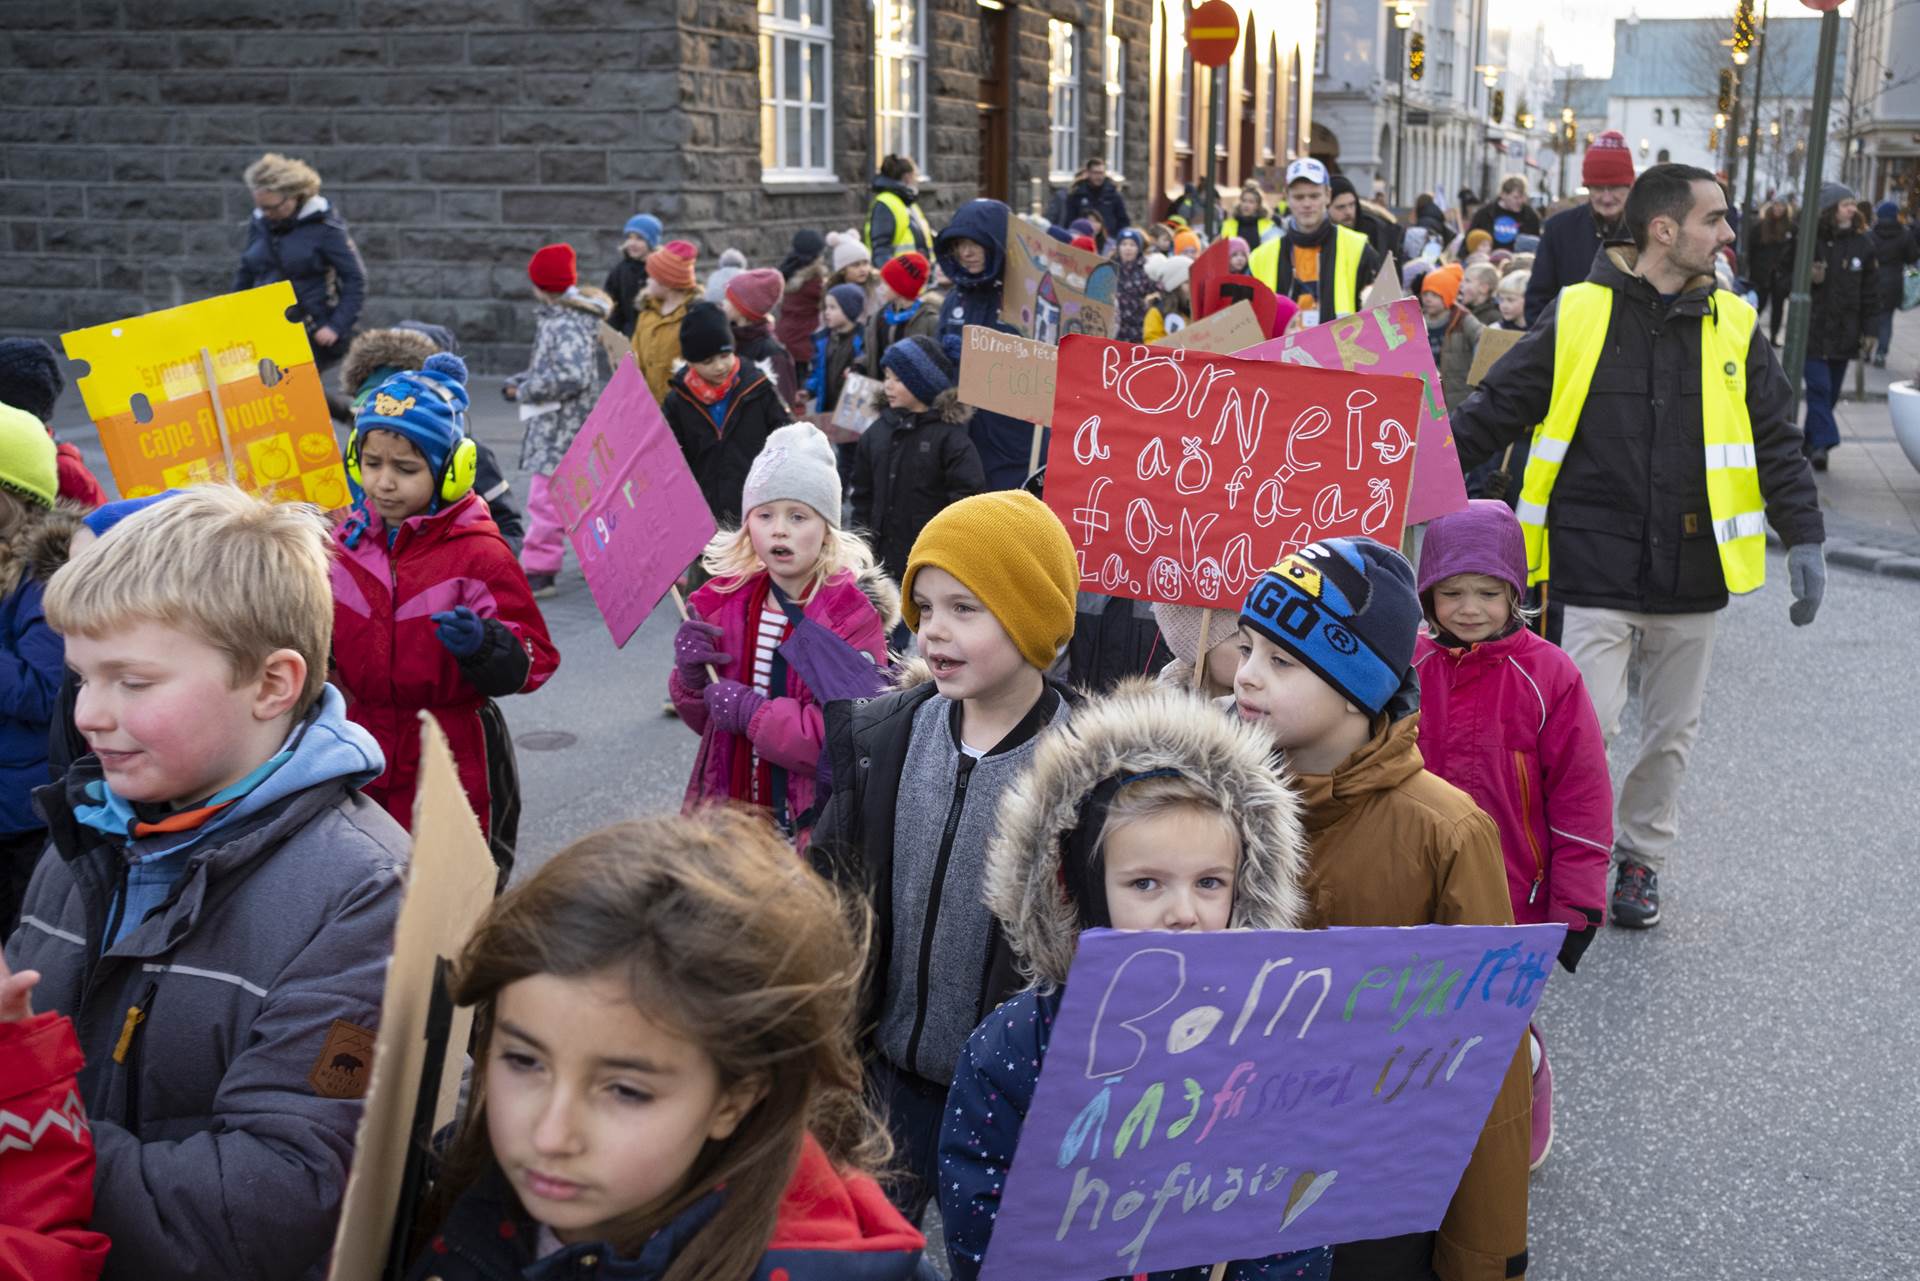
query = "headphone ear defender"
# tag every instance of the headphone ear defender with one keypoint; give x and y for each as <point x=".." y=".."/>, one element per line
<point x="462" y="466"/>
<point x="352" y="456"/>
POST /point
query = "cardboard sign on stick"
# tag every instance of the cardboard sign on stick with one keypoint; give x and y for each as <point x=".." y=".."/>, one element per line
<point x="1494" y="343"/>
<point x="859" y="403"/>
<point x="147" y="390"/>
<point x="1389" y="340"/>
<point x="1183" y="476"/>
<point x="1007" y="374"/>
<point x="1385" y="288"/>
<point x="1239" y="1094"/>
<point x="1223" y="333"/>
<point x="1051" y="289"/>
<point x="450" y="882"/>
<point x="631" y="508"/>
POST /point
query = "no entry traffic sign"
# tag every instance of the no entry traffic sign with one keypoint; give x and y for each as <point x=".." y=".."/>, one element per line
<point x="1213" y="30"/>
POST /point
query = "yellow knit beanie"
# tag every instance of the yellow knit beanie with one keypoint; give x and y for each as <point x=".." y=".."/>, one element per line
<point x="1011" y="551"/>
<point x="27" y="465"/>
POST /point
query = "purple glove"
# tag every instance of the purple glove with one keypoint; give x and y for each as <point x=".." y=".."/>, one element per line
<point x="731" y="705"/>
<point x="693" y="650"/>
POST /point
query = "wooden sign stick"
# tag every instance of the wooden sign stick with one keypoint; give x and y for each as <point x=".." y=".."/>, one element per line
<point x="219" y="412"/>
<point x="1200" y="659"/>
<point x="680" y="603"/>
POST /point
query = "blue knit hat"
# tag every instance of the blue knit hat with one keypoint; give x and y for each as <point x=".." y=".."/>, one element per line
<point x="1887" y="211"/>
<point x="646" y="225"/>
<point x="919" y="363"/>
<point x="105" y="517"/>
<point x="1347" y="609"/>
<point x="852" y="299"/>
<point x="428" y="406"/>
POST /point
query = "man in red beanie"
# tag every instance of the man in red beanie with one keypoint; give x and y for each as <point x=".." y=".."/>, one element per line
<point x="750" y="301"/>
<point x="899" y="311"/>
<point x="1572" y="238"/>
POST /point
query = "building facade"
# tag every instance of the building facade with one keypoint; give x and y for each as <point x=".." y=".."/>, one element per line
<point x="1881" y="126"/>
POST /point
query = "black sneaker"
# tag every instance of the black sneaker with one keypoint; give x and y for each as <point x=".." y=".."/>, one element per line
<point x="1636" y="896"/>
<point x="542" y="585"/>
<point x="1819" y="459"/>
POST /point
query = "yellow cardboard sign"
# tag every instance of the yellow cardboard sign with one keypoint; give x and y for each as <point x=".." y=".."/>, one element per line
<point x="146" y="389"/>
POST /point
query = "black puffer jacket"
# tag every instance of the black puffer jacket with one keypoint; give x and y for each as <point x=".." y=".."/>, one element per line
<point x="1896" y="248"/>
<point x="1568" y="242"/>
<point x="721" y="456"/>
<point x="909" y="468"/>
<point x="1628" y="526"/>
<point x="314" y="250"/>
<point x="1845" y="303"/>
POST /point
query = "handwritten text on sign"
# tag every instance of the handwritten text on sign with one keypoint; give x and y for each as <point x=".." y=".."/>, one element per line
<point x="1238" y="1094"/>
<point x="1182" y="476"/>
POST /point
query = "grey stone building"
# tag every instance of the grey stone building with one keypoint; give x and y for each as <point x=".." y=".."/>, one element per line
<point x="457" y="136"/>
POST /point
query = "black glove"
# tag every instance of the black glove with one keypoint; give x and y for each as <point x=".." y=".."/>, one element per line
<point x="1497" y="485"/>
<point x="1575" y="944"/>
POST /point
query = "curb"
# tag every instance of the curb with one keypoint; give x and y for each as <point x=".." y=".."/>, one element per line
<point x="1865" y="557"/>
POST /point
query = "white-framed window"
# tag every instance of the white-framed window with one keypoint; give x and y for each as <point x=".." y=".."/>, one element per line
<point x="1183" y="115"/>
<point x="900" y="79"/>
<point x="1063" y="97"/>
<point x="1659" y="116"/>
<point x="1116" y="107"/>
<point x="796" y="89"/>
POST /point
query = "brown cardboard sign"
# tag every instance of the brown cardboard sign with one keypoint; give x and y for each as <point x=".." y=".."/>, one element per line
<point x="1050" y="289"/>
<point x="1385" y="287"/>
<point x="1223" y="333"/>
<point x="1494" y="343"/>
<point x="1007" y="374"/>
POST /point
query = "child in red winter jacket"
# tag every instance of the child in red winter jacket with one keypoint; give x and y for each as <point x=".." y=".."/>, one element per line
<point x="46" y="1149"/>
<point x="1505" y="718"/>
<point x="431" y="610"/>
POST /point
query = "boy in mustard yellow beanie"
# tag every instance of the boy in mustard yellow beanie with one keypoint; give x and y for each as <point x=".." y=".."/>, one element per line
<point x="917" y="776"/>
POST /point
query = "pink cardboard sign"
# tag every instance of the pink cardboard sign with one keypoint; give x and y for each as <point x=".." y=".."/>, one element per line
<point x="1388" y="340"/>
<point x="631" y="507"/>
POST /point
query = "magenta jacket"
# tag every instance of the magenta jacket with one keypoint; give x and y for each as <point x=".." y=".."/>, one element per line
<point x="787" y="731"/>
<point x="1509" y="723"/>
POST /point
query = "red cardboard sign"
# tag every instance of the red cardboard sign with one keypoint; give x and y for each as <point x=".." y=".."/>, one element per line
<point x="1182" y="476"/>
<point x="1215" y="288"/>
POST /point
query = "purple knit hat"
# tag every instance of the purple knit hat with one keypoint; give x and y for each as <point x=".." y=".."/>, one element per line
<point x="1483" y="539"/>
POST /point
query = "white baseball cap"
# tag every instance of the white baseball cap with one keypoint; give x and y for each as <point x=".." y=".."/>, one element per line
<point x="1307" y="169"/>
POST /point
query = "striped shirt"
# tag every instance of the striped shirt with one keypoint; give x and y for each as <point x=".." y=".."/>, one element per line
<point x="767" y="635"/>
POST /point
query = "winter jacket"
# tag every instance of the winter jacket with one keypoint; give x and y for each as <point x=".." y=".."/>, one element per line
<point x="46" y="1156"/>
<point x="831" y="1226"/>
<point x="314" y="250"/>
<point x="790" y="728"/>
<point x="1895" y="248"/>
<point x="224" y="1119"/>
<point x="77" y="484"/>
<point x="1392" y="844"/>
<point x="392" y="666"/>
<point x="1105" y="200"/>
<point x="833" y="355"/>
<point x="1847" y="301"/>
<point x="1569" y="242"/>
<point x="623" y="287"/>
<point x="908" y="468"/>
<point x="33" y="660"/>
<point x="756" y="346"/>
<point x="1131" y="290"/>
<point x="1004" y="443"/>
<point x="1505" y="225"/>
<point x="1114" y="637"/>
<point x="1455" y="359"/>
<point x="556" y="391"/>
<point x="800" y="311"/>
<point x="1771" y="270"/>
<point x="656" y="343"/>
<point x="1137" y="730"/>
<point x="1509" y="723"/>
<point x="1628" y="527"/>
<point x="1381" y="229"/>
<point x="881" y="231"/>
<point x="720" y="455"/>
<point x="886" y="325"/>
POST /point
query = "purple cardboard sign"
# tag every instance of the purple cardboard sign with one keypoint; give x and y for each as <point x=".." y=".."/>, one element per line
<point x="1388" y="340"/>
<point x="631" y="507"/>
<point x="1234" y="1095"/>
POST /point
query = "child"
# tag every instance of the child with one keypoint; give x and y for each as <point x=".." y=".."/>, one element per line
<point x="917" y="775"/>
<point x="216" y="912"/>
<point x="806" y="282"/>
<point x="760" y="715"/>
<point x="1169" y="310"/>
<point x="629" y="275"/>
<point x="432" y="613"/>
<point x="46" y="1190"/>
<point x="971" y="252"/>
<point x="34" y="537"/>
<point x="732" y="263"/>
<point x="1180" y="627"/>
<point x="1131" y="285"/>
<point x="664" y="1080"/>
<point x="1504" y="717"/>
<point x="852" y="263"/>
<point x="1512" y="297"/>
<point x="1147" y="810"/>
<point x="555" y="393"/>
<point x="1477" y="288"/>
<point x="750" y="299"/>
<point x="838" y="346"/>
<point x="899" y="311"/>
<point x="917" y="458"/>
<point x="1326" y="653"/>
<point x="1452" y="332"/>
<point x="656" y="331"/>
<point x="30" y="379"/>
<point x="1237" y="256"/>
<point x="721" y="410"/>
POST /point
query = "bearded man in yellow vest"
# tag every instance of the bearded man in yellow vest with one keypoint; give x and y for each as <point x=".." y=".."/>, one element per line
<point x="1663" y="449"/>
<point x="1322" y="266"/>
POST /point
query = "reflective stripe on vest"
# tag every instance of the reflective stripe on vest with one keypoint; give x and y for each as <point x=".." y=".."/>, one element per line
<point x="1733" y="480"/>
<point x="1263" y="264"/>
<point x="909" y="227"/>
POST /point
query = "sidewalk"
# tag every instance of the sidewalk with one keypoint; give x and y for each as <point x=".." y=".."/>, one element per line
<point x="1870" y="493"/>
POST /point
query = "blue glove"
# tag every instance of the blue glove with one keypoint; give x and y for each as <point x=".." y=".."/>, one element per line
<point x="731" y="705"/>
<point x="1807" y="575"/>
<point x="461" y="630"/>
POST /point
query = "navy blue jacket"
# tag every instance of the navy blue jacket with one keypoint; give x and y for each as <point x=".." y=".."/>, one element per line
<point x="1003" y="442"/>
<point x="1569" y="242"/>
<point x="314" y="250"/>
<point x="33" y="663"/>
<point x="986" y="1106"/>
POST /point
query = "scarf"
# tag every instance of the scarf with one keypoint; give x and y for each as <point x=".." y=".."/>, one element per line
<point x="711" y="393"/>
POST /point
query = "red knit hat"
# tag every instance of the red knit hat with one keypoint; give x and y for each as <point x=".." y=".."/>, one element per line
<point x="672" y="264"/>
<point x="1608" y="162"/>
<point x="756" y="293"/>
<point x="1086" y="243"/>
<point x="553" y="269"/>
<point x="905" y="274"/>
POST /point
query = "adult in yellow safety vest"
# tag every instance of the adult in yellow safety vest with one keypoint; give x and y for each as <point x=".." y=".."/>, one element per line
<point x="1321" y="266"/>
<point x="1662" y="452"/>
<point x="894" y="221"/>
<point x="1250" y="220"/>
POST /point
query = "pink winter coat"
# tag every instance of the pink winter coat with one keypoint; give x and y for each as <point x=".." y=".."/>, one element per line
<point x="1509" y="723"/>
<point x="787" y="731"/>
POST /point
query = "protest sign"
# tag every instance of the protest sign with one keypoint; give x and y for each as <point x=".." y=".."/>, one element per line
<point x="147" y="390"/>
<point x="1051" y="289"/>
<point x="1389" y="340"/>
<point x="630" y="506"/>
<point x="450" y="882"/>
<point x="1223" y="333"/>
<point x="1494" y="343"/>
<point x="1232" y="1095"/>
<point x="1215" y="287"/>
<point x="1182" y="476"/>
<point x="1385" y="288"/>
<point x="1007" y="374"/>
<point x="859" y="404"/>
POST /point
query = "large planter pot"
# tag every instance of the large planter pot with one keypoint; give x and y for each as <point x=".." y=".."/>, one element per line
<point x="1903" y="402"/>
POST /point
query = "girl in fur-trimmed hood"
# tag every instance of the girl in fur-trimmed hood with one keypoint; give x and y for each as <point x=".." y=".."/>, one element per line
<point x="1146" y="810"/>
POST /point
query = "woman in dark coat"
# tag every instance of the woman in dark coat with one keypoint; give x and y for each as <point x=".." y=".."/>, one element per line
<point x="297" y="235"/>
<point x="1771" y="270"/>
<point x="1844" y="302"/>
<point x="1897" y="246"/>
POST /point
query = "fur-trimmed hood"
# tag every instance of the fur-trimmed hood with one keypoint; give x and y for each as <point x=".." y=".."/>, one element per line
<point x="1137" y="728"/>
<point x="39" y="545"/>
<point x="883" y="592"/>
<point x="597" y="303"/>
<point x="376" y="349"/>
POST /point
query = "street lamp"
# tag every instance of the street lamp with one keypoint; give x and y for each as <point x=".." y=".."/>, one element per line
<point x="1402" y="19"/>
